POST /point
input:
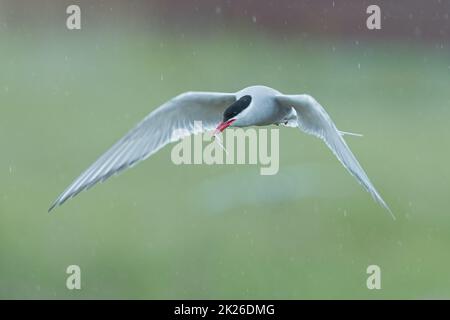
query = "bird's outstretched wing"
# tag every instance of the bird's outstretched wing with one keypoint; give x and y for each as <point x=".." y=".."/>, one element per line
<point x="168" y="123"/>
<point x="313" y="119"/>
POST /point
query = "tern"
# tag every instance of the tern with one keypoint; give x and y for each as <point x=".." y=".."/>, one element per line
<point x="251" y="106"/>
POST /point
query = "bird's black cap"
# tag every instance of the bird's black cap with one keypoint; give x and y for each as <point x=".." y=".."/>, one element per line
<point x="237" y="107"/>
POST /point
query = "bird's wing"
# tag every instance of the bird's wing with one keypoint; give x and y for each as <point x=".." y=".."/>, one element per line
<point x="168" y="123"/>
<point x="313" y="119"/>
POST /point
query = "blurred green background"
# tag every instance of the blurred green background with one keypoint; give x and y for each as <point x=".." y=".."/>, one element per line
<point x="162" y="231"/>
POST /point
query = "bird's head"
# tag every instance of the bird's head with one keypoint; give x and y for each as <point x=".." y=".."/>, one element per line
<point x="233" y="113"/>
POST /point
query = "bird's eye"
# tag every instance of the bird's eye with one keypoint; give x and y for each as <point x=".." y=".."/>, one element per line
<point x="237" y="107"/>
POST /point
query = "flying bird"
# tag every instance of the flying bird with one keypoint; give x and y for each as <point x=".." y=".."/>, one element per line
<point x="251" y="106"/>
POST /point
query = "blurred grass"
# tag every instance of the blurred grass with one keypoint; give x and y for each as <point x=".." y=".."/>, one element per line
<point x="65" y="98"/>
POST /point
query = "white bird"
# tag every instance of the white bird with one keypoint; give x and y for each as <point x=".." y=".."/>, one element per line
<point x="252" y="106"/>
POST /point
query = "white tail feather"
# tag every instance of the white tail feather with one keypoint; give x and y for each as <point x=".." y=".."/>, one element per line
<point x="350" y="134"/>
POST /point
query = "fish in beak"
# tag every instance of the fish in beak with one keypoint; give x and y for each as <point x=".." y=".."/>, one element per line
<point x="223" y="125"/>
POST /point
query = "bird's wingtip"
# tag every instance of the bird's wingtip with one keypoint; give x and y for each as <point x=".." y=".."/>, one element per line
<point x="391" y="213"/>
<point x="379" y="200"/>
<point x="385" y="206"/>
<point x="53" y="206"/>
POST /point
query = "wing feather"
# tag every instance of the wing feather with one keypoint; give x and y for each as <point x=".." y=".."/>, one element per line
<point x="151" y="134"/>
<point x="313" y="119"/>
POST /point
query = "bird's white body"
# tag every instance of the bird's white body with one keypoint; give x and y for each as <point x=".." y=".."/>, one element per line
<point x="251" y="106"/>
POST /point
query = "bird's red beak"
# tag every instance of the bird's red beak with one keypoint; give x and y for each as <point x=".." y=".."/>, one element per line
<point x="223" y="125"/>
